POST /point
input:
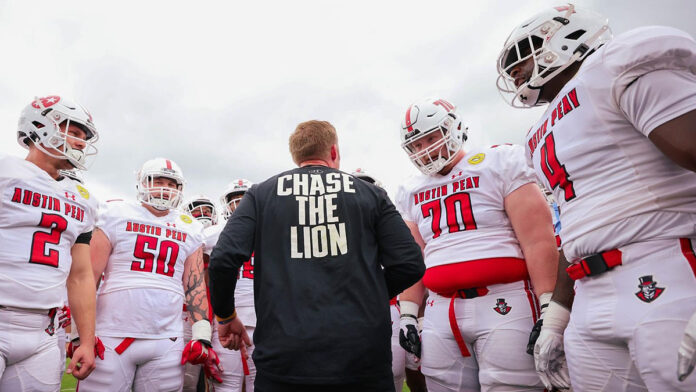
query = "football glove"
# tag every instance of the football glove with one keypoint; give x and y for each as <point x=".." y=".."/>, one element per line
<point x="549" y="354"/>
<point x="687" y="351"/>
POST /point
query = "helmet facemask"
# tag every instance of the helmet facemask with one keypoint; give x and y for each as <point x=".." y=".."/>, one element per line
<point x="199" y="208"/>
<point x="554" y="40"/>
<point x="231" y="201"/>
<point x="159" y="197"/>
<point x="446" y="147"/>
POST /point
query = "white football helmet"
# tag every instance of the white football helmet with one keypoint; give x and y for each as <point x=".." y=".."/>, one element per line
<point x="161" y="198"/>
<point x="361" y="174"/>
<point x="554" y="39"/>
<point x="234" y="188"/>
<point x="195" y="207"/>
<point x="39" y="123"/>
<point x="435" y="117"/>
<point x="74" y="174"/>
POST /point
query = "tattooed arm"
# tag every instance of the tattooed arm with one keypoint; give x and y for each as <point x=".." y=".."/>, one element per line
<point x="195" y="287"/>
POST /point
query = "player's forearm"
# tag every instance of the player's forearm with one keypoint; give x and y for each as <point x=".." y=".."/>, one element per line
<point x="414" y="294"/>
<point x="82" y="300"/>
<point x="195" y="289"/>
<point x="542" y="264"/>
<point x="563" y="292"/>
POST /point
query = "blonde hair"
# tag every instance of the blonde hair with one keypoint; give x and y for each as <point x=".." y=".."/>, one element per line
<point x="312" y="140"/>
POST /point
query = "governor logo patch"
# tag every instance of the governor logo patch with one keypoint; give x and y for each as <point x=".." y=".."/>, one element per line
<point x="648" y="289"/>
<point x="502" y="307"/>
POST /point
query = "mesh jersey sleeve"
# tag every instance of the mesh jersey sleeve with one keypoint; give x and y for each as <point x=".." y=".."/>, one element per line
<point x="513" y="168"/>
<point x="401" y="204"/>
<point x="658" y="97"/>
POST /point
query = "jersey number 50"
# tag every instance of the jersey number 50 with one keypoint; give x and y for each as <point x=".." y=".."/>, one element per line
<point x="459" y="214"/>
<point x="147" y="247"/>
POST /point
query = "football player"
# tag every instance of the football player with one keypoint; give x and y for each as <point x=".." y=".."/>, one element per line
<point x="617" y="147"/>
<point x="46" y="224"/>
<point x="152" y="259"/>
<point x="485" y="229"/>
<point x="202" y="209"/>
<point x="240" y="371"/>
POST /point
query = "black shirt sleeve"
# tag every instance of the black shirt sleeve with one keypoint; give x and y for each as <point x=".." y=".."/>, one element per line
<point x="399" y="253"/>
<point x="233" y="248"/>
<point x="84" y="238"/>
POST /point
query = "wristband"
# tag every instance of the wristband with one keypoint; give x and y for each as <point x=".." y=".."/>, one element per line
<point x="557" y="317"/>
<point x="225" y="320"/>
<point x="201" y="330"/>
<point x="409" y="308"/>
<point x="544" y="300"/>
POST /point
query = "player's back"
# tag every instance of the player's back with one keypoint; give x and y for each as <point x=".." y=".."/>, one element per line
<point x="40" y="220"/>
<point x="142" y="293"/>
<point x="613" y="186"/>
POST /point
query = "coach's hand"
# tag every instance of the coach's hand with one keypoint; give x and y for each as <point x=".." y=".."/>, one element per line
<point x="549" y="353"/>
<point x="409" y="336"/>
<point x="233" y="335"/>
<point x="687" y="350"/>
<point x="83" y="361"/>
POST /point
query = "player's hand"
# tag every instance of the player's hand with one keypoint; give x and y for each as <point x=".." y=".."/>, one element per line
<point x="687" y="350"/>
<point x="409" y="338"/>
<point x="212" y="367"/>
<point x="75" y="343"/>
<point x="549" y="352"/>
<point x="83" y="362"/>
<point x="196" y="352"/>
<point x="233" y="335"/>
<point x="64" y="317"/>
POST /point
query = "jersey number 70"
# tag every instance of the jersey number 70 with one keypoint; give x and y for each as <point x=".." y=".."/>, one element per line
<point x="458" y="213"/>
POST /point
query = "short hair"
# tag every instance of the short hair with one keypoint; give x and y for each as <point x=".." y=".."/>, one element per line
<point x="312" y="140"/>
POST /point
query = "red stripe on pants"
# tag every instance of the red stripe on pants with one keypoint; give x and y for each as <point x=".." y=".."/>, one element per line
<point x="688" y="251"/>
<point x="455" y="329"/>
<point x="532" y="301"/>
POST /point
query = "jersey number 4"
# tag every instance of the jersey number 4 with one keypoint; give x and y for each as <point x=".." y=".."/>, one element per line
<point x="554" y="172"/>
<point x="57" y="224"/>
<point x="148" y="248"/>
<point x="458" y="213"/>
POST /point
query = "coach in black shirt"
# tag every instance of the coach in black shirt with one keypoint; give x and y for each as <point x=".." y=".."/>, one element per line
<point x="330" y="251"/>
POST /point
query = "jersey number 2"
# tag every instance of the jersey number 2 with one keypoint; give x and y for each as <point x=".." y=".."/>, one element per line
<point x="458" y="219"/>
<point x="145" y="249"/>
<point x="554" y="172"/>
<point x="57" y="224"/>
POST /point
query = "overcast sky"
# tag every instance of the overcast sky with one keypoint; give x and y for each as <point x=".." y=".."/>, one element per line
<point x="219" y="86"/>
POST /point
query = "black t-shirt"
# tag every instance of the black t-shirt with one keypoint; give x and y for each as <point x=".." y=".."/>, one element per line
<point x="330" y="251"/>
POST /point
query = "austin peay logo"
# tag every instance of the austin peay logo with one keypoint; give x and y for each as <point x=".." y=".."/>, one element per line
<point x="502" y="307"/>
<point x="648" y="290"/>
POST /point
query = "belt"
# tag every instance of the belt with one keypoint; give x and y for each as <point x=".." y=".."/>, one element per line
<point x="594" y="265"/>
<point x="464" y="294"/>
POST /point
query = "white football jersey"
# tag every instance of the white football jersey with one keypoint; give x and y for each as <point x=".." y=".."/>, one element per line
<point x="461" y="216"/>
<point x="591" y="147"/>
<point x="40" y="219"/>
<point x="142" y="293"/>
<point x="244" y="291"/>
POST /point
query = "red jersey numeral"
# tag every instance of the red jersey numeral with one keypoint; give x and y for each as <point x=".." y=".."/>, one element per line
<point x="554" y="172"/>
<point x="248" y="269"/>
<point x="458" y="213"/>
<point x="147" y="247"/>
<point x="39" y="255"/>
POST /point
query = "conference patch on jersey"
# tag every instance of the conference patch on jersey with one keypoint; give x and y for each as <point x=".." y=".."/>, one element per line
<point x="185" y="219"/>
<point x="476" y="159"/>
<point x="83" y="191"/>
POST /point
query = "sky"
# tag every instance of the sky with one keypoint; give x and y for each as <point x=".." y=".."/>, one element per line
<point x="218" y="86"/>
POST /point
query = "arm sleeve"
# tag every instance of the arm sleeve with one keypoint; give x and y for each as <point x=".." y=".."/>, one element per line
<point x="400" y="256"/>
<point x="658" y="97"/>
<point x="233" y="248"/>
<point x="514" y="169"/>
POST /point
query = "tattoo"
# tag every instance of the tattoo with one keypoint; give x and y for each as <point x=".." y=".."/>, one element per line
<point x="195" y="290"/>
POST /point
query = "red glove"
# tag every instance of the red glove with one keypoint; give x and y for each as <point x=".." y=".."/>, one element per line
<point x="64" y="317"/>
<point x="196" y="352"/>
<point x="75" y="343"/>
<point x="212" y="367"/>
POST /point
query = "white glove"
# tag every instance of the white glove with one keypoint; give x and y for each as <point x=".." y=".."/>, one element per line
<point x="687" y="350"/>
<point x="544" y="300"/>
<point x="549" y="354"/>
<point x="409" y="335"/>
